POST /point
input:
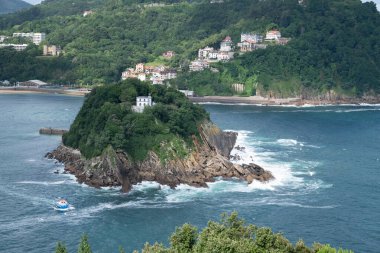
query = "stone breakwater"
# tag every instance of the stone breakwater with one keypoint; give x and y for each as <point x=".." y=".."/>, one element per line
<point x="210" y="159"/>
<point x="52" y="131"/>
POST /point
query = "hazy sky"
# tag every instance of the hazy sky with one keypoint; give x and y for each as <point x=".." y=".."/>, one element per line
<point x="39" y="1"/>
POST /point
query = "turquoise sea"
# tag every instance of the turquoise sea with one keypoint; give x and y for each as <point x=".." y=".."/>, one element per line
<point x="326" y="161"/>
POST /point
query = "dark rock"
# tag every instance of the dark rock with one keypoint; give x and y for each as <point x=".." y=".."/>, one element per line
<point x="208" y="161"/>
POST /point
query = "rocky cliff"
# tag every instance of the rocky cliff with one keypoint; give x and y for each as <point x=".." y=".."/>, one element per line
<point x="210" y="159"/>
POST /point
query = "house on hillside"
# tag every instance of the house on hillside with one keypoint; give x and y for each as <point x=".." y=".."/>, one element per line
<point x="199" y="65"/>
<point x="128" y="73"/>
<point x="248" y="42"/>
<point x="251" y="37"/>
<point x="17" y="47"/>
<point x="168" y="54"/>
<point x="273" y="35"/>
<point x="52" y="50"/>
<point x="2" y="38"/>
<point x="142" y="102"/>
<point x="140" y="68"/>
<point x="187" y="93"/>
<point x="226" y="45"/>
<point x="225" y="56"/>
<point x="36" y="38"/>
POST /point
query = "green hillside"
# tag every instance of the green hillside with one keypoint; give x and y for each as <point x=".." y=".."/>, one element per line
<point x="335" y="44"/>
<point x="107" y="119"/>
<point x="9" y="6"/>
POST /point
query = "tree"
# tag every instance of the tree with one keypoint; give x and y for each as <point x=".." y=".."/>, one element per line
<point x="61" y="248"/>
<point x="84" y="246"/>
<point x="184" y="238"/>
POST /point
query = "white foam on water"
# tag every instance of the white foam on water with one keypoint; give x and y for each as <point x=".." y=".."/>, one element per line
<point x="46" y="183"/>
<point x="357" y="110"/>
<point x="288" y="142"/>
<point x="147" y="185"/>
<point x="281" y="171"/>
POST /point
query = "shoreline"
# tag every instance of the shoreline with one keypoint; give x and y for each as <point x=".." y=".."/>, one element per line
<point x="28" y="90"/>
<point x="261" y="101"/>
<point x="223" y="100"/>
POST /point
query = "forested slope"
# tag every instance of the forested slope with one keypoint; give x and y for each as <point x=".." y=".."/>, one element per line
<point x="8" y="6"/>
<point x="335" y="44"/>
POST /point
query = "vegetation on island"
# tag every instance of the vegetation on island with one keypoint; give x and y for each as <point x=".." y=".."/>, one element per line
<point x="231" y="234"/>
<point x="334" y="45"/>
<point x="107" y="119"/>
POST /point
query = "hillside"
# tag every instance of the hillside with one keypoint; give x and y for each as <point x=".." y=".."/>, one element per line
<point x="334" y="45"/>
<point x="107" y="118"/>
<point x="9" y="6"/>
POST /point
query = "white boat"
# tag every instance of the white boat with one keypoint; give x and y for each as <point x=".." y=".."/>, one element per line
<point x="62" y="205"/>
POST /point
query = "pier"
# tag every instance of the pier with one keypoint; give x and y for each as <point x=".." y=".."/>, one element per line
<point x="52" y="131"/>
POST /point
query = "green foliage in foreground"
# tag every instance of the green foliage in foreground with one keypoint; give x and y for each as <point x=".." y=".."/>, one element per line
<point x="84" y="246"/>
<point x="106" y="119"/>
<point x="232" y="235"/>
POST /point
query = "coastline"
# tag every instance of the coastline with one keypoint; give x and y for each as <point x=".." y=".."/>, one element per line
<point x="28" y="90"/>
<point x="262" y="101"/>
<point x="225" y="100"/>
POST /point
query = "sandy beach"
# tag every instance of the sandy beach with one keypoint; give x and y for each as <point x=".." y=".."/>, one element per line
<point x="25" y="90"/>
<point x="234" y="100"/>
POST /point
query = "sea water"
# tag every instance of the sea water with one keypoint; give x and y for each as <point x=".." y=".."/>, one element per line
<point x="326" y="161"/>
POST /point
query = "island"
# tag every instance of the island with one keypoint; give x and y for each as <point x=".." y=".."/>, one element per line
<point x="132" y="132"/>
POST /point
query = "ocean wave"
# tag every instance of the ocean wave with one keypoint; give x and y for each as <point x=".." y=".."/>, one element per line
<point x="288" y="175"/>
<point x="288" y="142"/>
<point x="43" y="182"/>
<point x="295" y="204"/>
<point x="357" y="110"/>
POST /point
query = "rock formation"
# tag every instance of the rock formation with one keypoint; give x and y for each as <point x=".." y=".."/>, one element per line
<point x="208" y="161"/>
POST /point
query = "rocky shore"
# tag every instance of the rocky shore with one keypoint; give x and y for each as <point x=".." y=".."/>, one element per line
<point x="209" y="160"/>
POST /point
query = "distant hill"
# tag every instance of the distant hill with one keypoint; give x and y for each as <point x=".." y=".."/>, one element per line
<point x="334" y="47"/>
<point x="9" y="6"/>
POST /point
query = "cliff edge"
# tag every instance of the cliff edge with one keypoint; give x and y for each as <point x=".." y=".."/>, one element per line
<point x="208" y="160"/>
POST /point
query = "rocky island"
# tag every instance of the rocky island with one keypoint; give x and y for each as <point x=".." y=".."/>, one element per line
<point x="112" y="142"/>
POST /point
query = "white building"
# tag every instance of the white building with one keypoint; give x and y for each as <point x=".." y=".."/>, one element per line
<point x="251" y="38"/>
<point x="141" y="103"/>
<point x="198" y="65"/>
<point x="225" y="56"/>
<point x="2" y="38"/>
<point x="52" y="50"/>
<point x="188" y="93"/>
<point x="129" y="73"/>
<point x="169" y="74"/>
<point x="203" y="53"/>
<point x="273" y="35"/>
<point x="140" y="68"/>
<point x="32" y="83"/>
<point x="226" y="44"/>
<point x="17" y="47"/>
<point x="36" y="38"/>
<point x="141" y="77"/>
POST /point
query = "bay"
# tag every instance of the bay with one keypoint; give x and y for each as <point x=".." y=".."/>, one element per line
<point x="326" y="161"/>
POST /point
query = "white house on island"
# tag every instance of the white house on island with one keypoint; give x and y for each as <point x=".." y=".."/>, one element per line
<point x="142" y="102"/>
